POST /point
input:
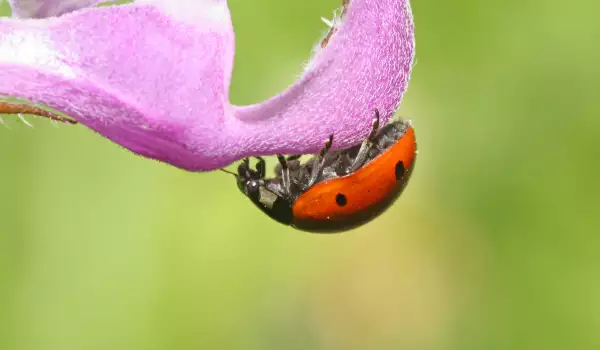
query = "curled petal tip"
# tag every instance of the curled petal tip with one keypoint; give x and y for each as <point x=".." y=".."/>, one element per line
<point x="365" y="65"/>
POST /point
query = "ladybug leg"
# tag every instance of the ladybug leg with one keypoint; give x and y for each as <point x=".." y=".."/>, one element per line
<point x="365" y="147"/>
<point x="319" y="163"/>
<point x="285" y="175"/>
<point x="21" y="108"/>
<point x="292" y="164"/>
<point x="261" y="167"/>
<point x="246" y="164"/>
<point x="244" y="170"/>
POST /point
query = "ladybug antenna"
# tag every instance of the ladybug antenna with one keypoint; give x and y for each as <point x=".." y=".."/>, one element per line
<point x="229" y="172"/>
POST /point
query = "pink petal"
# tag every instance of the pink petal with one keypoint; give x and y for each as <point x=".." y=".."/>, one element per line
<point x="161" y="89"/>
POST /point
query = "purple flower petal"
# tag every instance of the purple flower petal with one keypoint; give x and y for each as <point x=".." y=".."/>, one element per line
<point x="161" y="89"/>
<point x="48" y="8"/>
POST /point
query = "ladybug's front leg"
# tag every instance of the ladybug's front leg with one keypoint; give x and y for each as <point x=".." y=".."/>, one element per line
<point x="261" y="167"/>
<point x="319" y="162"/>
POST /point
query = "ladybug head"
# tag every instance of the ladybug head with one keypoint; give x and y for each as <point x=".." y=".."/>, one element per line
<point x="264" y="193"/>
<point x="250" y="188"/>
<point x="249" y="180"/>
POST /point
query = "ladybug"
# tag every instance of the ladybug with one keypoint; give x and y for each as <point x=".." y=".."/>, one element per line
<point x="338" y="190"/>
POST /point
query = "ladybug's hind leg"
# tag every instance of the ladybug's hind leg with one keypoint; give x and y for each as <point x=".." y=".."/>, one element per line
<point x="285" y="175"/>
<point x="261" y="166"/>
<point x="366" y="146"/>
<point x="319" y="162"/>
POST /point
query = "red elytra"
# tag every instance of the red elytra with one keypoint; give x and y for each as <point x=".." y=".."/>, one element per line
<point x="339" y="190"/>
<point x="356" y="198"/>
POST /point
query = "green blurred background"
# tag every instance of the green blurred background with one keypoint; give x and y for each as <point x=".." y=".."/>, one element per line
<point x="494" y="244"/>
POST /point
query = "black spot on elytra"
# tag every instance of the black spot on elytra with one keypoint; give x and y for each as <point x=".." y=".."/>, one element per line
<point x="400" y="170"/>
<point x="340" y="199"/>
